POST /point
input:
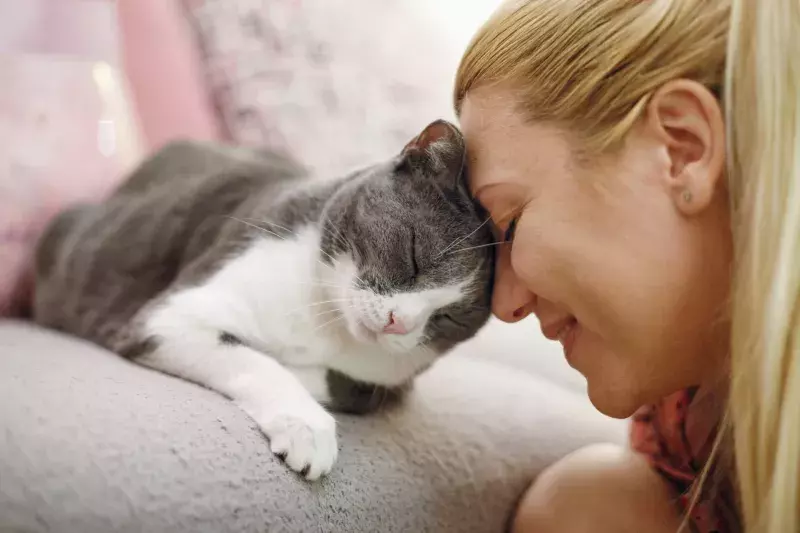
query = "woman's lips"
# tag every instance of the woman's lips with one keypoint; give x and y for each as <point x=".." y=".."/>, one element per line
<point x="567" y="336"/>
<point x="564" y="331"/>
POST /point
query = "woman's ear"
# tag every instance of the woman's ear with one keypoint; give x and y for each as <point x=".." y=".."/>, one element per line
<point x="687" y="118"/>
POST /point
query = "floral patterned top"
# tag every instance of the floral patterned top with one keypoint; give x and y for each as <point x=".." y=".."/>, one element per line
<point x="677" y="435"/>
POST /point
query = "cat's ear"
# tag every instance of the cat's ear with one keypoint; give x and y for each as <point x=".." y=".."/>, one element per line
<point x="439" y="150"/>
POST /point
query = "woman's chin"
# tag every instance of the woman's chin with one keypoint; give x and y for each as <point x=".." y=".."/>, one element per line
<point x="614" y="402"/>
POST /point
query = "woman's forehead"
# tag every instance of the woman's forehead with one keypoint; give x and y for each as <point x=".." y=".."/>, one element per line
<point x="503" y="148"/>
<point x="488" y="114"/>
<point x="482" y="121"/>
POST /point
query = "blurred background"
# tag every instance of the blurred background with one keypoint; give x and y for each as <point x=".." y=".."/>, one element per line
<point x="90" y="87"/>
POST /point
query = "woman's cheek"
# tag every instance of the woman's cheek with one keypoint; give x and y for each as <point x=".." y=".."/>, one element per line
<point x="534" y="259"/>
<point x="527" y="262"/>
<point x="513" y="256"/>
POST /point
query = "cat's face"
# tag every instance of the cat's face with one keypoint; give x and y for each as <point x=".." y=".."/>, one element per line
<point x="411" y="252"/>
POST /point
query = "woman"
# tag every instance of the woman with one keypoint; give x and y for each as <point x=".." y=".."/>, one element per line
<point x="642" y="159"/>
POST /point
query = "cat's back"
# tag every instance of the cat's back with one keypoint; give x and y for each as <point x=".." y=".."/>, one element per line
<point x="195" y="162"/>
<point x="108" y="260"/>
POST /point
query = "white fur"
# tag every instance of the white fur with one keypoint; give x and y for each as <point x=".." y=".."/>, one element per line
<point x="366" y="313"/>
<point x="298" y="317"/>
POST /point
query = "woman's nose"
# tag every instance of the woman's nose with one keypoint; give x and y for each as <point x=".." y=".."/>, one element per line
<point x="512" y="300"/>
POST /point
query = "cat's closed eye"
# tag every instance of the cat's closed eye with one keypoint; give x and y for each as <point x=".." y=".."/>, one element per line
<point x="413" y="255"/>
<point x="358" y="254"/>
<point x="444" y="318"/>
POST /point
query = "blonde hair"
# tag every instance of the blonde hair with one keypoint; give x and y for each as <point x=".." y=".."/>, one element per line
<point x="591" y="65"/>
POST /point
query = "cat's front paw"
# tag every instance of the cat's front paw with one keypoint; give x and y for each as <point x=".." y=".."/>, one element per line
<point x="305" y="438"/>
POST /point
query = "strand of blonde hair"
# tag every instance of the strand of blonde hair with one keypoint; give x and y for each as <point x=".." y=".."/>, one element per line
<point x="763" y="118"/>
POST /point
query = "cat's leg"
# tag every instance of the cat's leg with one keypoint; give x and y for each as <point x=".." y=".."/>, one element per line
<point x="186" y="342"/>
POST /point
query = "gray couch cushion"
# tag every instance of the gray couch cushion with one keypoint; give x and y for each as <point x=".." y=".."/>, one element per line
<point x="91" y="443"/>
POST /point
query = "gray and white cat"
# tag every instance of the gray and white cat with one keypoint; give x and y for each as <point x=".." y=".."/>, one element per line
<point x="288" y="295"/>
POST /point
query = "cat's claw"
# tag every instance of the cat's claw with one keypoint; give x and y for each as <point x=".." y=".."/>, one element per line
<point x="304" y="439"/>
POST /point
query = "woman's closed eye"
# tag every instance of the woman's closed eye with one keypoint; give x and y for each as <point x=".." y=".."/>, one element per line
<point x="505" y="225"/>
<point x="508" y="236"/>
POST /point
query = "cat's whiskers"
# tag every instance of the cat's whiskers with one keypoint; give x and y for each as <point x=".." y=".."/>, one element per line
<point x="316" y="304"/>
<point x="323" y="252"/>
<point x="476" y="247"/>
<point x="346" y="244"/>
<point x="318" y="284"/>
<point x="259" y="228"/>
<point x="337" y="233"/>
<point x="329" y="256"/>
<point x="281" y="237"/>
<point x="422" y="346"/>
<point x="335" y="300"/>
<point x="329" y="311"/>
<point x="328" y="282"/>
<point x="294" y="233"/>
<point x="462" y="239"/>
<point x="284" y="228"/>
<point x="329" y="322"/>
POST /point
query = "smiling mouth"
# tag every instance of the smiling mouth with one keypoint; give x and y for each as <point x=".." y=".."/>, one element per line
<point x="555" y="331"/>
<point x="564" y="331"/>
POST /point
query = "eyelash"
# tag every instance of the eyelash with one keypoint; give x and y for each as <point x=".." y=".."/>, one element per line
<point x="508" y="236"/>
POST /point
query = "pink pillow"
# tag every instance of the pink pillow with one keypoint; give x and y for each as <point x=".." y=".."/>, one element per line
<point x="162" y="65"/>
<point x="61" y="141"/>
<point x="66" y="133"/>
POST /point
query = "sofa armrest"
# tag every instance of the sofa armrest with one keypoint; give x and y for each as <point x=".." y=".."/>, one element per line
<point x="91" y="443"/>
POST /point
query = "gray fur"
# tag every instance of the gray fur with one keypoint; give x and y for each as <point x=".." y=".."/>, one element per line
<point x="193" y="205"/>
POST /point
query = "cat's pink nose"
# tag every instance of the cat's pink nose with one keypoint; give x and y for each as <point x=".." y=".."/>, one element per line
<point x="395" y="326"/>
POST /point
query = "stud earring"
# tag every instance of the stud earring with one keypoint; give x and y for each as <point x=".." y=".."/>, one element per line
<point x="687" y="196"/>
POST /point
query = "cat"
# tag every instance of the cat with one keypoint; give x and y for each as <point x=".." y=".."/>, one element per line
<point x="293" y="297"/>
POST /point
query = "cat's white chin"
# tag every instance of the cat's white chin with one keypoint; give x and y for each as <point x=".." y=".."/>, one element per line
<point x="360" y="332"/>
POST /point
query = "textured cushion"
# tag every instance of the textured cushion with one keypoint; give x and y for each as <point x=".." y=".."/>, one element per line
<point x="337" y="83"/>
<point x="91" y="443"/>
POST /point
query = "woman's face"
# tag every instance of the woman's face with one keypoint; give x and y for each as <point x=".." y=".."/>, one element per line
<point x="623" y="264"/>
